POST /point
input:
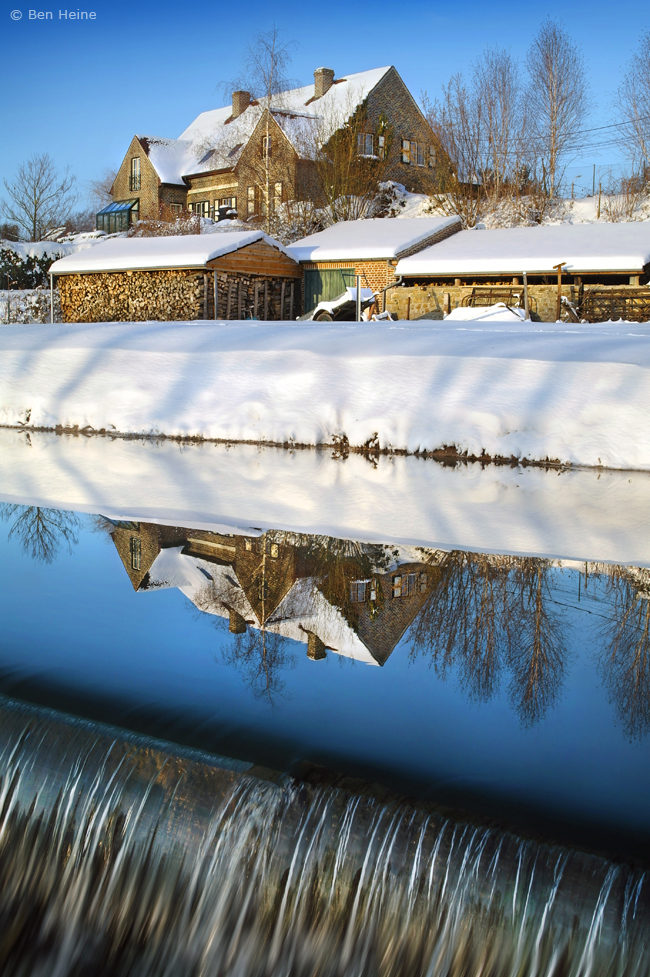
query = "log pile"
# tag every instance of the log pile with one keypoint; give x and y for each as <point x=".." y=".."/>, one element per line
<point x="132" y="296"/>
<point x="176" y="295"/>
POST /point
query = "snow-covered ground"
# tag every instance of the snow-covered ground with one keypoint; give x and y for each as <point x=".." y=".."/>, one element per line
<point x="577" y="394"/>
<point x="573" y="514"/>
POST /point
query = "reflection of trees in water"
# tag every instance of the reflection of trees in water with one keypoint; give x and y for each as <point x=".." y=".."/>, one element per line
<point x="41" y="531"/>
<point x="624" y="658"/>
<point x="489" y="615"/>
<point x="261" y="656"/>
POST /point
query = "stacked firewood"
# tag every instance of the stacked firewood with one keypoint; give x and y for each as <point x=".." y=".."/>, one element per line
<point x="132" y="296"/>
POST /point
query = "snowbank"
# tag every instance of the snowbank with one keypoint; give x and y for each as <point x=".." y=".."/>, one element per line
<point x="576" y="514"/>
<point x="577" y="394"/>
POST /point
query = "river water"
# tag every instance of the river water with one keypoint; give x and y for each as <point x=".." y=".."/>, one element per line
<point x="236" y="738"/>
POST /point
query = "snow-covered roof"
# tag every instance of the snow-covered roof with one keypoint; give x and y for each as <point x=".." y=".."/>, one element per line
<point x="214" y="140"/>
<point x="364" y="240"/>
<point x="149" y="253"/>
<point x="583" y="247"/>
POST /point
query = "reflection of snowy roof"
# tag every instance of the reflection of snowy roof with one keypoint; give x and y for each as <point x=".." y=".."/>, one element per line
<point x="295" y="111"/>
<point x="180" y="251"/>
<point x="511" y="251"/>
<point x="367" y="239"/>
<point x="304" y="609"/>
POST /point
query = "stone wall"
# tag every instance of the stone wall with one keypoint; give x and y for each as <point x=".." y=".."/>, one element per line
<point x="431" y="298"/>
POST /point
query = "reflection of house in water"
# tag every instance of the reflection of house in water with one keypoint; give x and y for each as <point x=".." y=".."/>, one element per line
<point x="356" y="601"/>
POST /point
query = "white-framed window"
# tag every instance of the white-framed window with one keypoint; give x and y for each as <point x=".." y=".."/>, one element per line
<point x="432" y="157"/>
<point x="381" y="147"/>
<point x="362" y="590"/>
<point x="365" y="144"/>
<point x="175" y="208"/>
<point x="407" y="584"/>
<point x="230" y="202"/>
<point x="136" y="552"/>
<point x="135" y="180"/>
<point x="420" y="154"/>
<point x="201" y="207"/>
<point x="406" y="151"/>
<point x="267" y="146"/>
<point x="250" y="201"/>
<point x="277" y="194"/>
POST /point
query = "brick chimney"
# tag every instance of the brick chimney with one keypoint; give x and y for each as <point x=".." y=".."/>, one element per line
<point x="323" y="81"/>
<point x="240" y="102"/>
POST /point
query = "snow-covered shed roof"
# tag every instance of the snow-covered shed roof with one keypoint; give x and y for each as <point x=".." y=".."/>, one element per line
<point x="584" y="248"/>
<point x="151" y="253"/>
<point x="364" y="240"/>
<point x="214" y="140"/>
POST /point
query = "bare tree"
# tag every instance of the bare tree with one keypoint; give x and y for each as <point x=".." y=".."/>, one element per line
<point x="41" y="531"/>
<point x="633" y="98"/>
<point x="459" y="133"/>
<point x="99" y="189"/>
<point x="265" y="75"/>
<point x="351" y="154"/>
<point x="497" y="86"/>
<point x="557" y="100"/>
<point x="39" y="198"/>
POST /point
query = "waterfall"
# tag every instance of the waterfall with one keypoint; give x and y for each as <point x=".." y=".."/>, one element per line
<point x="121" y="857"/>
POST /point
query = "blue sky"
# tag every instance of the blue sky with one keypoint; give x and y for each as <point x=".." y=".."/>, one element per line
<point x="80" y="89"/>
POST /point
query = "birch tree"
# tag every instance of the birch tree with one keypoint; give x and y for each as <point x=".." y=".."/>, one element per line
<point x="633" y="98"/>
<point x="557" y="100"/>
<point x="265" y="70"/>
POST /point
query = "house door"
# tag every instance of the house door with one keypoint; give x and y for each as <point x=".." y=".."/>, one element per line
<point x="323" y="285"/>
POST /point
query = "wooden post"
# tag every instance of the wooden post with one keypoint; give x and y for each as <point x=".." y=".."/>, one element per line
<point x="284" y="285"/>
<point x="256" y="299"/>
<point x="266" y="301"/>
<point x="239" y="300"/>
<point x="408" y="307"/>
<point x="358" y="313"/>
<point x="559" y="288"/>
<point x="205" y="295"/>
<point x="216" y="296"/>
<point x="229" y="305"/>
<point x="291" y="301"/>
<point x="600" y="191"/>
<point x="526" y="304"/>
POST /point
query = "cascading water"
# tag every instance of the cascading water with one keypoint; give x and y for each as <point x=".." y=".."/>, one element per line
<point x="117" y="857"/>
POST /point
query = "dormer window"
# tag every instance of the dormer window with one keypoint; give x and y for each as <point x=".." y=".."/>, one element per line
<point x="134" y="178"/>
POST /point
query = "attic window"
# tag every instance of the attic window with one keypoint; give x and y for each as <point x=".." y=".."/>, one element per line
<point x="266" y="147"/>
<point x="136" y="552"/>
<point x="362" y="590"/>
<point x="207" y="156"/>
<point x="134" y="177"/>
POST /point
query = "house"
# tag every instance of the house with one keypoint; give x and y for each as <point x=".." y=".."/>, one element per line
<point x="370" y="248"/>
<point x="221" y="158"/>
<point x="604" y="274"/>
<point x="229" y="275"/>
<point x="273" y="583"/>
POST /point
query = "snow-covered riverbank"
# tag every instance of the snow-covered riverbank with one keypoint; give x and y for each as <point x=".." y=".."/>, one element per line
<point x="577" y="394"/>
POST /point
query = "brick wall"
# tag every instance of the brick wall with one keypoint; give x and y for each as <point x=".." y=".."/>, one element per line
<point x="148" y="194"/>
<point x="392" y="97"/>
